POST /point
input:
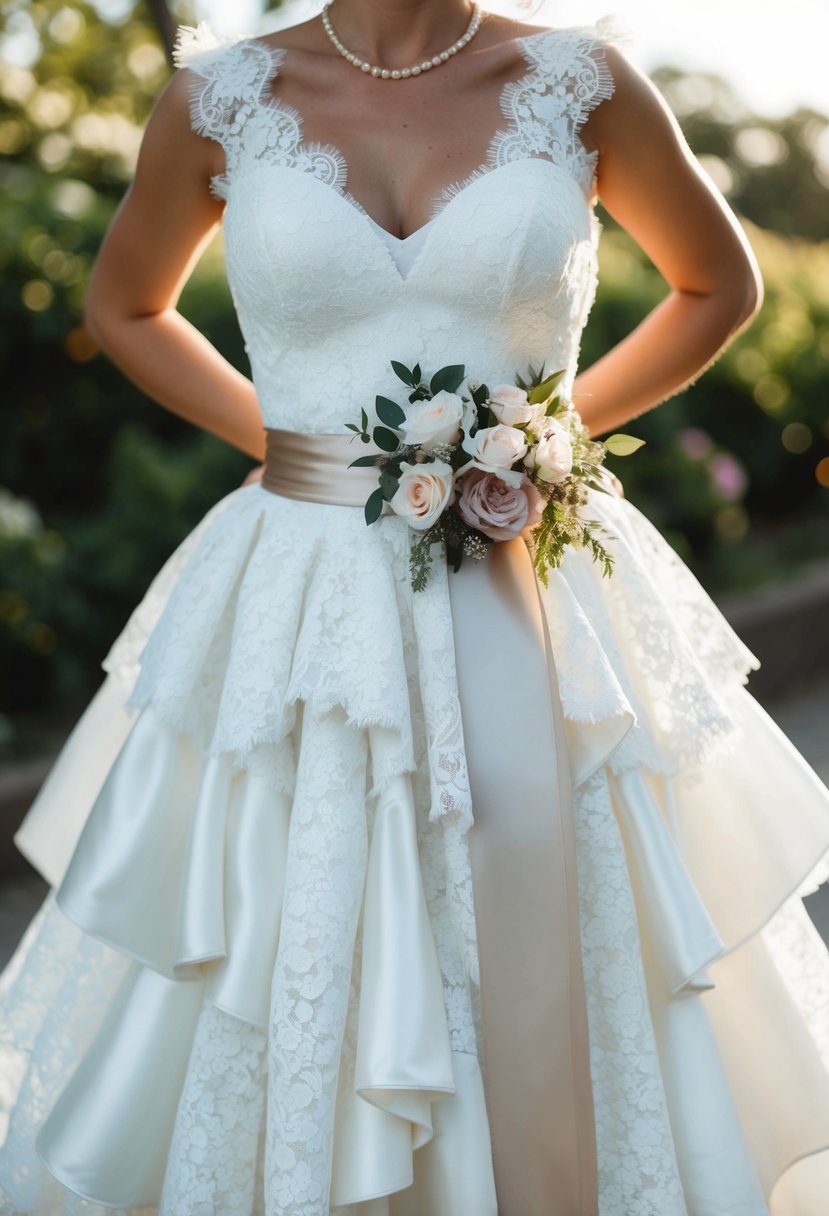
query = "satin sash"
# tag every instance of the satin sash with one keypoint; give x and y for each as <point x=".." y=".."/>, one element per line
<point x="315" y="467"/>
<point x="535" y="1062"/>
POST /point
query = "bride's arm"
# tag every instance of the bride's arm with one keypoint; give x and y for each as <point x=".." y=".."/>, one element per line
<point x="159" y="230"/>
<point x="650" y="182"/>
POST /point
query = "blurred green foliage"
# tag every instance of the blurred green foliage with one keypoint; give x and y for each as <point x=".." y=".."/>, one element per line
<point x="100" y="484"/>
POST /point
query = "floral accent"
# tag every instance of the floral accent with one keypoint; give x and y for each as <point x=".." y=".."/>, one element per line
<point x="468" y="467"/>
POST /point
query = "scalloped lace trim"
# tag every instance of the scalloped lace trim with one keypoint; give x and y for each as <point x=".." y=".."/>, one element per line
<point x="231" y="100"/>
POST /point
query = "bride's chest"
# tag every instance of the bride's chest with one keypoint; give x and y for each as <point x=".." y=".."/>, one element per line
<point x="518" y="235"/>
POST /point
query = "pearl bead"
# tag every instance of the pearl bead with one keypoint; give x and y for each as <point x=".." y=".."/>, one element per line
<point x="400" y="73"/>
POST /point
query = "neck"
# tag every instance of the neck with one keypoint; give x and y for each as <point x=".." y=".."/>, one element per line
<point x="398" y="32"/>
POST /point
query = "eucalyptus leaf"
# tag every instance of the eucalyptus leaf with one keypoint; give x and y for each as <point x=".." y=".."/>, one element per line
<point x="402" y="372"/>
<point x="447" y="379"/>
<point x="374" y="506"/>
<point x="385" y="439"/>
<point x="389" y="411"/>
<point x="362" y="462"/>
<point x="623" y="445"/>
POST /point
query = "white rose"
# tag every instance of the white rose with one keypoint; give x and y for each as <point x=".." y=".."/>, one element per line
<point x="553" y="454"/>
<point x="423" y="492"/>
<point x="510" y="405"/>
<point x="496" y="447"/>
<point x="435" y="421"/>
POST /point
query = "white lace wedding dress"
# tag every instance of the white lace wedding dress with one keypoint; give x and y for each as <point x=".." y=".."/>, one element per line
<point x="184" y="1018"/>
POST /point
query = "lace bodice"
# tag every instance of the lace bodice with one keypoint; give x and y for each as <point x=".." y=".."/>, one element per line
<point x="320" y="297"/>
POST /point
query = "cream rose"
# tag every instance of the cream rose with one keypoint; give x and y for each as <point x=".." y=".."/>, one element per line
<point x="510" y="405"/>
<point x="500" y="511"/>
<point x="423" y="491"/>
<point x="435" y="421"/>
<point x="553" y="454"/>
<point x="496" y="449"/>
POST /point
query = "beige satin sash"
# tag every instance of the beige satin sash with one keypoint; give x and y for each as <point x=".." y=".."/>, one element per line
<point x="523" y="854"/>
<point x="536" y="1050"/>
<point x="315" y="467"/>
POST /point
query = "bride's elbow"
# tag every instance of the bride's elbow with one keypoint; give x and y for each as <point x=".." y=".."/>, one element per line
<point x="752" y="294"/>
<point x="740" y="294"/>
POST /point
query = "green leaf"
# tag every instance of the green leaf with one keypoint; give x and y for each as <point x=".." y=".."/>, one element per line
<point x="447" y="379"/>
<point x="385" y="439"/>
<point x="389" y="411"/>
<point x="364" y="418"/>
<point x="543" y="390"/>
<point x="365" y="438"/>
<point x="417" y="372"/>
<point x="362" y="462"/>
<point x="352" y="426"/>
<point x="374" y="506"/>
<point x="402" y="372"/>
<point x="480" y="394"/>
<point x="623" y="445"/>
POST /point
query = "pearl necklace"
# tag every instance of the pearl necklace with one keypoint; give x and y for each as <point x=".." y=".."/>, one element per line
<point x="402" y="73"/>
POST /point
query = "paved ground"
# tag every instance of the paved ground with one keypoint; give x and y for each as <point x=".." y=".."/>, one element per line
<point x="803" y="715"/>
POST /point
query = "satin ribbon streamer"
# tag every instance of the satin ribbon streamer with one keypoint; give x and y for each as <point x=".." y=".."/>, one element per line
<point x="536" y="1051"/>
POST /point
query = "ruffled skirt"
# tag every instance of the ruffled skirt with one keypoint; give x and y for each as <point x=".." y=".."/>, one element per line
<point x="253" y="987"/>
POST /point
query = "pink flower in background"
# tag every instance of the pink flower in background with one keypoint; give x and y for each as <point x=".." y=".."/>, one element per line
<point x="728" y="476"/>
<point x="696" y="443"/>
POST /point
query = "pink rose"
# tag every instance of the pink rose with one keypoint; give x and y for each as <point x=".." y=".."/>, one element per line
<point x="496" y="449"/>
<point x="423" y="492"/>
<point x="553" y="454"/>
<point x="498" y="510"/>
<point x="510" y="405"/>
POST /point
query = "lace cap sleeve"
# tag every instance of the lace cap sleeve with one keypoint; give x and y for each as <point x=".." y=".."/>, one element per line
<point x="572" y="78"/>
<point x="228" y="73"/>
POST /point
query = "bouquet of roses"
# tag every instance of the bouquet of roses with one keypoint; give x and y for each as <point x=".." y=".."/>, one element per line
<point x="470" y="466"/>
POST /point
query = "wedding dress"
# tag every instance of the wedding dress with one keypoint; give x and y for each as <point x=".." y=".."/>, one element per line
<point x="196" y="1021"/>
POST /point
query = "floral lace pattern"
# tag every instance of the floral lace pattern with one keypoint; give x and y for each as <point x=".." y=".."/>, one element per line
<point x="568" y="76"/>
<point x="546" y="109"/>
<point x="638" y="1169"/>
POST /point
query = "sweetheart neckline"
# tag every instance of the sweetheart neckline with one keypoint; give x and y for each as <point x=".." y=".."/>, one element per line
<point x="266" y="101"/>
<point x="383" y="238"/>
